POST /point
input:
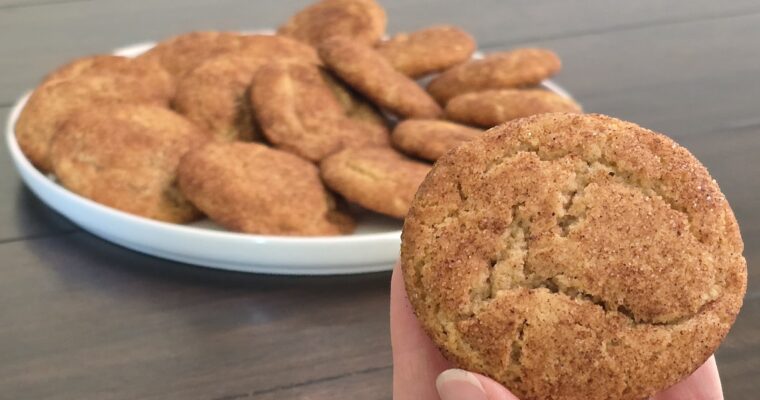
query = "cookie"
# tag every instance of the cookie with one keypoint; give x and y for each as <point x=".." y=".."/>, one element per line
<point x="149" y="72"/>
<point x="493" y="107"/>
<point x="213" y="95"/>
<point x="428" y="50"/>
<point x="363" y="20"/>
<point x="251" y="188"/>
<point x="365" y="70"/>
<point x="430" y="138"/>
<point x="298" y="113"/>
<point x="377" y="178"/>
<point x="503" y="70"/>
<point x="354" y="105"/>
<point x="182" y="53"/>
<point x="50" y="104"/>
<point x="574" y="256"/>
<point x="125" y="157"/>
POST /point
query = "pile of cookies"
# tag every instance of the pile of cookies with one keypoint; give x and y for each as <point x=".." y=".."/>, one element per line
<point x="269" y="134"/>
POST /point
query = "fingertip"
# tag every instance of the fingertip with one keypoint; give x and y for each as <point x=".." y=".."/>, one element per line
<point x="458" y="384"/>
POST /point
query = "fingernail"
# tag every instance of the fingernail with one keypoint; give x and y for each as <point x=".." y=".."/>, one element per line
<point x="458" y="384"/>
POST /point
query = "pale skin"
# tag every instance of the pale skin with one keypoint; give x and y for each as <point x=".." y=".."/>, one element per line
<point x="421" y="373"/>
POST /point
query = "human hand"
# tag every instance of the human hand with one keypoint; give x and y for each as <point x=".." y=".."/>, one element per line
<point x="421" y="373"/>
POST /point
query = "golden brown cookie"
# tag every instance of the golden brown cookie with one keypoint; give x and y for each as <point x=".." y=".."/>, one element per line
<point x="149" y="72"/>
<point x="377" y="178"/>
<point x="125" y="156"/>
<point x="213" y="95"/>
<point x="365" y="70"/>
<point x="298" y="113"/>
<point x="428" y="50"/>
<point x="493" y="107"/>
<point x="51" y="103"/>
<point x="430" y="138"/>
<point x="363" y="20"/>
<point x="251" y="188"/>
<point x="354" y="105"/>
<point x="182" y="53"/>
<point x="574" y="256"/>
<point x="503" y="70"/>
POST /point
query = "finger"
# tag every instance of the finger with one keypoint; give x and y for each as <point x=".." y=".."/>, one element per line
<point x="416" y="361"/>
<point x="458" y="384"/>
<point x="703" y="384"/>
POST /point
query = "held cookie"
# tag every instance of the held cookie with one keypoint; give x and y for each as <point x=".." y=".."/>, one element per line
<point x="148" y="72"/>
<point x="126" y="157"/>
<point x="251" y="188"/>
<point x="298" y="113"/>
<point x="365" y="70"/>
<point x="377" y="178"/>
<point x="363" y="20"/>
<point x="180" y="54"/>
<point x="493" y="107"/>
<point x="429" y="50"/>
<point x="504" y="70"/>
<point x="50" y="104"/>
<point x="213" y="95"/>
<point x="574" y="256"/>
<point x="430" y="138"/>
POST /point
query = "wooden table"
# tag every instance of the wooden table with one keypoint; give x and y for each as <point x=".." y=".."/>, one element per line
<point x="83" y="319"/>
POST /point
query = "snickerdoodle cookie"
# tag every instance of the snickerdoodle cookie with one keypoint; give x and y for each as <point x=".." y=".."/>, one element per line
<point x="213" y="95"/>
<point x="125" y="156"/>
<point x="493" y="107"/>
<point x="574" y="256"/>
<point x="355" y="106"/>
<point x="502" y="70"/>
<point x="377" y="178"/>
<point x="363" y="20"/>
<point x="298" y="113"/>
<point x="182" y="53"/>
<point x="428" y="50"/>
<point x="251" y="188"/>
<point x="367" y="71"/>
<point x="148" y="71"/>
<point x="430" y="138"/>
<point x="51" y="103"/>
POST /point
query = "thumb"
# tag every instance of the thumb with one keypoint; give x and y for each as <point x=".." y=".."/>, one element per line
<point x="458" y="384"/>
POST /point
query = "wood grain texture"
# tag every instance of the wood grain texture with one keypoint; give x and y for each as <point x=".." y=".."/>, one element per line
<point x="84" y="319"/>
<point x="93" y="320"/>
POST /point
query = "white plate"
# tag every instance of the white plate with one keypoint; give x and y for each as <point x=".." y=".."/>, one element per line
<point x="373" y="247"/>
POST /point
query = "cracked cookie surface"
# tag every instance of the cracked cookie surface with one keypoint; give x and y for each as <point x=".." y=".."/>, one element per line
<point x="299" y="113"/>
<point x="214" y="94"/>
<point x="52" y="103"/>
<point x="377" y="178"/>
<point x="369" y="73"/>
<point x="574" y="257"/>
<point x="248" y="187"/>
<point x="125" y="157"/>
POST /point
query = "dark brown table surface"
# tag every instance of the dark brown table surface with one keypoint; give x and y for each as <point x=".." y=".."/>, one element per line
<point x="81" y="318"/>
